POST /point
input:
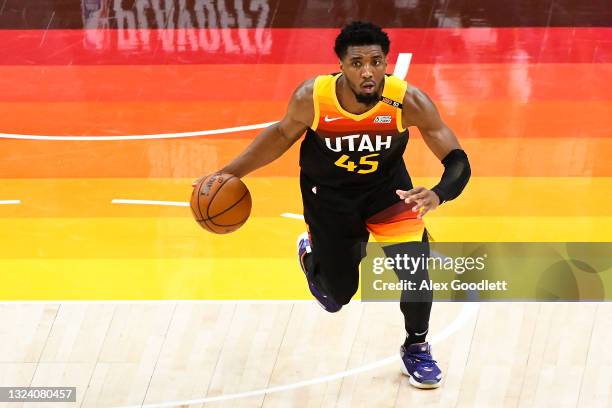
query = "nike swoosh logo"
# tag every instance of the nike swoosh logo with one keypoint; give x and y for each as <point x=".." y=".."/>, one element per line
<point x="328" y="119"/>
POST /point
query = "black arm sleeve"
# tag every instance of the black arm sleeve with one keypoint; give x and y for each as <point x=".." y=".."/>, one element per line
<point x="455" y="177"/>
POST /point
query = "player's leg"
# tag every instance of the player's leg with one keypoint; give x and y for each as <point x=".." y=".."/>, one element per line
<point x="394" y="222"/>
<point x="331" y="252"/>
<point x="415" y="305"/>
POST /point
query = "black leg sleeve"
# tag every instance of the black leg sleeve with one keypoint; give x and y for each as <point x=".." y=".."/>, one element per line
<point x="414" y="304"/>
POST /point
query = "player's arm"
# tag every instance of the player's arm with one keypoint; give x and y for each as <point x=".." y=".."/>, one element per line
<point x="276" y="139"/>
<point x="419" y="110"/>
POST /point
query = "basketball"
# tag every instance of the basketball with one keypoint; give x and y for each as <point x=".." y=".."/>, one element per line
<point x="221" y="203"/>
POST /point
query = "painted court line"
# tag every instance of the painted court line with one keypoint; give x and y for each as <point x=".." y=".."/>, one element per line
<point x="468" y="311"/>
<point x="141" y="137"/>
<point x="402" y="64"/>
<point x="6" y="202"/>
<point x="184" y="204"/>
<point x="401" y="70"/>
<point x="292" y="215"/>
<point x="151" y="202"/>
<point x="167" y="301"/>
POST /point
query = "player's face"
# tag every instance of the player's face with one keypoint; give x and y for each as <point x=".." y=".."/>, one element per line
<point x="364" y="67"/>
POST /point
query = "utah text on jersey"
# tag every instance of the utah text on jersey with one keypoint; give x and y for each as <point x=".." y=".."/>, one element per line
<point x="358" y="143"/>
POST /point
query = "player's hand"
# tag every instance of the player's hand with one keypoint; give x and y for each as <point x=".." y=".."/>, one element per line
<point x="424" y="200"/>
<point x="195" y="183"/>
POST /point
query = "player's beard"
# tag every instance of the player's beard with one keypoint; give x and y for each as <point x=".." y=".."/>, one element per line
<point x="367" y="99"/>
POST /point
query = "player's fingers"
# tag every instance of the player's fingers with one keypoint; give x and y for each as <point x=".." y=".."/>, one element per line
<point x="412" y="190"/>
<point x="424" y="211"/>
<point x="416" y="197"/>
<point x="419" y="203"/>
<point x="412" y="195"/>
<point x="415" y="190"/>
<point x="405" y="193"/>
<point x="195" y="183"/>
<point x="401" y="193"/>
<point x="427" y="197"/>
<point x="420" y="196"/>
<point x="430" y="206"/>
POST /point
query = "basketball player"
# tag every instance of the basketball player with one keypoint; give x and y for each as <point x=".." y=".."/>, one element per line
<point x="353" y="178"/>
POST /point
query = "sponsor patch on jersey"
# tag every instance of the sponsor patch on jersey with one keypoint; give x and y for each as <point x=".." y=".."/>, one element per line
<point x="391" y="102"/>
<point x="382" y="119"/>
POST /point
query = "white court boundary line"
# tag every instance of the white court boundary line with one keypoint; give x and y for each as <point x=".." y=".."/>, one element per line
<point x="150" y="202"/>
<point x="128" y="301"/>
<point x="402" y="64"/>
<point x="468" y="310"/>
<point x="140" y="137"/>
<point x="292" y="215"/>
<point x="401" y="70"/>
<point x="7" y="202"/>
<point x="185" y="204"/>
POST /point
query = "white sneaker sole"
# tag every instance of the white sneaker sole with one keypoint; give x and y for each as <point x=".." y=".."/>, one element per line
<point x="417" y="384"/>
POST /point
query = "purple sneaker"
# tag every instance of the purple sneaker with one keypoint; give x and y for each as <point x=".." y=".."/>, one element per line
<point x="303" y="246"/>
<point x="419" y="365"/>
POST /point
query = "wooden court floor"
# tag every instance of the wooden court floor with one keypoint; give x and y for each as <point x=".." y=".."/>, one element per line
<point x="296" y="355"/>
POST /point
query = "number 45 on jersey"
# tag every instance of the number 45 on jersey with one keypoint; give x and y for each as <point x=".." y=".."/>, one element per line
<point x="364" y="166"/>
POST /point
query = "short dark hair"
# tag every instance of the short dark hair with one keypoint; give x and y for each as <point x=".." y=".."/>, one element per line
<point x="360" y="33"/>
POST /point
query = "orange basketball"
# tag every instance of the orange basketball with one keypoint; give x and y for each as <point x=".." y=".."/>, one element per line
<point x="221" y="203"/>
